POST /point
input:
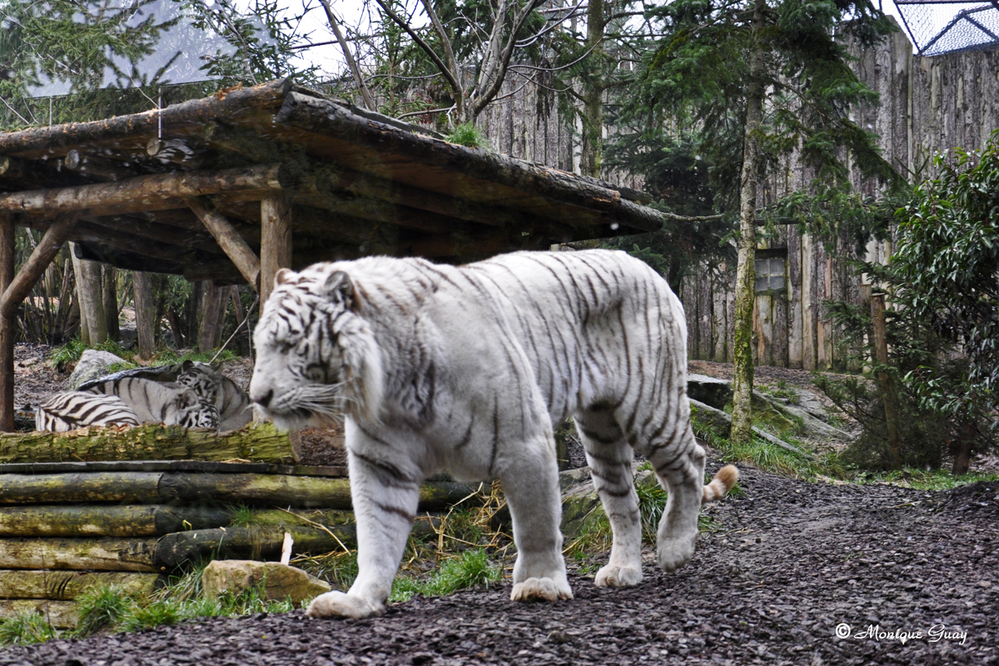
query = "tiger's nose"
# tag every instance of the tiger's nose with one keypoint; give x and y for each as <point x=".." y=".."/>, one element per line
<point x="264" y="400"/>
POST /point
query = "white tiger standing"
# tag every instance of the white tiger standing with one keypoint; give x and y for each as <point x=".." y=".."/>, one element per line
<point x="466" y="369"/>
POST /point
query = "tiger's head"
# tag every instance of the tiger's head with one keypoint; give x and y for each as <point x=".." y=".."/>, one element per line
<point x="188" y="409"/>
<point x="317" y="358"/>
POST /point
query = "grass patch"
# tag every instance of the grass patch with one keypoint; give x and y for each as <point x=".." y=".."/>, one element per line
<point x="780" y="390"/>
<point x="338" y="569"/>
<point x="470" y="569"/>
<point x="26" y="628"/>
<point x="766" y="456"/>
<point x="168" y="356"/>
<point x="470" y="136"/>
<point x="73" y="350"/>
<point x="923" y="479"/>
<point x="102" y="607"/>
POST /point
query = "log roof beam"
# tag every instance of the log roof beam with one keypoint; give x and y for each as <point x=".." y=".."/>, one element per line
<point x="146" y="193"/>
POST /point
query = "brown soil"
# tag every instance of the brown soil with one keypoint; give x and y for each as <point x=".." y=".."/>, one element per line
<point x="793" y="573"/>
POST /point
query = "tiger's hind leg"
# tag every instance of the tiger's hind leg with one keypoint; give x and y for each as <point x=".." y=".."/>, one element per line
<point x="609" y="457"/>
<point x="679" y="465"/>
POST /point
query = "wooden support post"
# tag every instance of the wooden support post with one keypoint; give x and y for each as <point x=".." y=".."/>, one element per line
<point x="6" y="325"/>
<point x="145" y="313"/>
<point x="275" y="241"/>
<point x="888" y="395"/>
<point x="228" y="239"/>
<point x="33" y="269"/>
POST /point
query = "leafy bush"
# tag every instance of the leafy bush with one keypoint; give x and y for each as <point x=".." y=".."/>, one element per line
<point x="943" y="331"/>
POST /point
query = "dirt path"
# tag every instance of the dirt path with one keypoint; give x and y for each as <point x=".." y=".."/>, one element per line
<point x="791" y="564"/>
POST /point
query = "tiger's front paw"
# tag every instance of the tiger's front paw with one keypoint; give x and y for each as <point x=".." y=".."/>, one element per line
<point x="674" y="553"/>
<point x="338" y="604"/>
<point x="541" y="589"/>
<point x="616" y="576"/>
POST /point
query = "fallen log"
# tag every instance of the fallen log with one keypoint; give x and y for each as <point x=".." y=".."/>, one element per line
<point x="67" y="585"/>
<point x="107" y="521"/>
<point x="98" y="521"/>
<point x="79" y="554"/>
<point x="258" y="442"/>
<point x="60" y="614"/>
<point x="182" y="487"/>
<point x="261" y="542"/>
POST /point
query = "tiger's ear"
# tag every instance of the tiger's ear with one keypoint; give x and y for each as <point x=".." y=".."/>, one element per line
<point x="338" y="287"/>
<point x="283" y="276"/>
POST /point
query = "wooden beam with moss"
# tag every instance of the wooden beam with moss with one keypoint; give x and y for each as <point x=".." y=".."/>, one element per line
<point x="259" y="442"/>
<point x="179" y="487"/>
<point x="67" y="585"/>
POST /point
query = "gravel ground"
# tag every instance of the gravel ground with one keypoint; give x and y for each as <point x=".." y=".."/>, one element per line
<point x="796" y="573"/>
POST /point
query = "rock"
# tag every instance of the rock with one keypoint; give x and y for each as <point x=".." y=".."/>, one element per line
<point x="273" y="580"/>
<point x="706" y="417"/>
<point x="93" y="363"/>
<point x="709" y="390"/>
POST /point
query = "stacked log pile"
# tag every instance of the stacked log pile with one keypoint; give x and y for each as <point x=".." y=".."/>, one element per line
<point x="65" y="526"/>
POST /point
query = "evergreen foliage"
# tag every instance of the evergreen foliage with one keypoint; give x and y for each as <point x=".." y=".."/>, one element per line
<point x="944" y="326"/>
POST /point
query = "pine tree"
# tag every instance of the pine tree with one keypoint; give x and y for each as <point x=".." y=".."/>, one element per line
<point x="778" y="73"/>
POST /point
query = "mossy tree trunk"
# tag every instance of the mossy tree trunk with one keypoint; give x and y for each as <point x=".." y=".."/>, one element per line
<point x="745" y="280"/>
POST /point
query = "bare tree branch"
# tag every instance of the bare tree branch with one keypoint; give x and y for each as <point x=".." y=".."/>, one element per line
<point x="369" y="102"/>
<point x="448" y="74"/>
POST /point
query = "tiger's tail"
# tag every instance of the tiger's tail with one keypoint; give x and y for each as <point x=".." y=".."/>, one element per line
<point x="721" y="484"/>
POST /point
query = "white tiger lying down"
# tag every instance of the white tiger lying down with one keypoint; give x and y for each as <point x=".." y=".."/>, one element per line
<point x="465" y="369"/>
<point x="125" y="401"/>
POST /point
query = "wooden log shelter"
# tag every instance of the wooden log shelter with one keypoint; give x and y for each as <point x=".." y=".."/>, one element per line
<point x="232" y="187"/>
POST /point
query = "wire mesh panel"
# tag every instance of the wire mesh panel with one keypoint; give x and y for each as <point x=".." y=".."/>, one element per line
<point x="946" y="26"/>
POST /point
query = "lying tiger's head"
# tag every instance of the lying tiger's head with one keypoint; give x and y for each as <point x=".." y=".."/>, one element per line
<point x="191" y="411"/>
<point x="317" y="357"/>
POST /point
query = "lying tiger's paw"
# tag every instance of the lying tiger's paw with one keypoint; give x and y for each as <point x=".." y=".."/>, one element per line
<point x="338" y="604"/>
<point x="614" y="576"/>
<point x="674" y="553"/>
<point x="541" y="589"/>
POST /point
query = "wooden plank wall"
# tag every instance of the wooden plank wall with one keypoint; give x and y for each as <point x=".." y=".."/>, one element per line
<point x="928" y="105"/>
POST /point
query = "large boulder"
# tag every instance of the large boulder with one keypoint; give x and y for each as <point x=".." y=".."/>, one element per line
<point x="93" y="363"/>
<point x="274" y="581"/>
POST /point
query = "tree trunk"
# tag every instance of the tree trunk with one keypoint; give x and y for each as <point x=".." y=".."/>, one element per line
<point x="89" y="292"/>
<point x="145" y="313"/>
<point x="110" y="298"/>
<point x="213" y="307"/>
<point x="275" y="241"/>
<point x="745" y="280"/>
<point x="593" y="94"/>
<point x="889" y="396"/>
<point x="963" y="448"/>
<point x="7" y="251"/>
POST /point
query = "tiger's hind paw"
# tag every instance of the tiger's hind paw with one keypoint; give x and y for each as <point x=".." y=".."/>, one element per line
<point x="674" y="553"/>
<point x="615" y="576"/>
<point x="338" y="604"/>
<point x="541" y="589"/>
